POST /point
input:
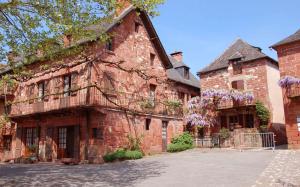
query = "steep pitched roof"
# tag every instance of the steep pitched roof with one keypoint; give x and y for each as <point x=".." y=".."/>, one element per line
<point x="292" y="38"/>
<point x="174" y="75"/>
<point x="239" y="49"/>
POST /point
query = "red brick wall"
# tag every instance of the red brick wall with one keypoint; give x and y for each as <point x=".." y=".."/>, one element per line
<point x="289" y="64"/>
<point x="254" y="75"/>
<point x="133" y="50"/>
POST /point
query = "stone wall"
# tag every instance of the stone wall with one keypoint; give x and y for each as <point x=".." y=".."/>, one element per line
<point x="289" y="65"/>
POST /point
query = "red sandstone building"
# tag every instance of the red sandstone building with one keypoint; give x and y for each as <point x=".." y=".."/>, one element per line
<point x="245" y="67"/>
<point x="82" y="109"/>
<point x="288" y="51"/>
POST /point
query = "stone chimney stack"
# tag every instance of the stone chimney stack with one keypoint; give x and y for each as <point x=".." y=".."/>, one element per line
<point x="178" y="55"/>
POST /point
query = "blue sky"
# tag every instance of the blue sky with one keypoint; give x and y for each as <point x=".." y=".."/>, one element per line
<point x="203" y="29"/>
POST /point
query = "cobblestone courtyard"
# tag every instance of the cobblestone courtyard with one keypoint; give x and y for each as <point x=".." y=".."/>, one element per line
<point x="191" y="168"/>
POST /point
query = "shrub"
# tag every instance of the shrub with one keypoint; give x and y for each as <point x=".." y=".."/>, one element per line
<point x="224" y="133"/>
<point x="178" y="147"/>
<point x="133" y="155"/>
<point x="185" y="138"/>
<point x="122" y="154"/>
<point x="262" y="112"/>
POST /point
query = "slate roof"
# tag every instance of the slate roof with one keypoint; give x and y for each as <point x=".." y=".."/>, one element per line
<point x="174" y="75"/>
<point x="292" y="38"/>
<point x="239" y="49"/>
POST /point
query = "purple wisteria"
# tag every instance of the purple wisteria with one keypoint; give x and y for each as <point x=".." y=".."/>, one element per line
<point x="288" y="81"/>
<point x="202" y="110"/>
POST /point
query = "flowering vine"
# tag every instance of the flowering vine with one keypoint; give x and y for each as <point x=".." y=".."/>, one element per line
<point x="288" y="81"/>
<point x="202" y="111"/>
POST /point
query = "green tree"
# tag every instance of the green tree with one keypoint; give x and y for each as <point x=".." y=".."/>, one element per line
<point x="29" y="25"/>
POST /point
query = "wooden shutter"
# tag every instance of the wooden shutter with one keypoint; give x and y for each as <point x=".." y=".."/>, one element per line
<point x="46" y="90"/>
<point x="58" y="84"/>
<point x="30" y="93"/>
<point x="74" y="83"/>
<point x="240" y="85"/>
<point x="76" y="142"/>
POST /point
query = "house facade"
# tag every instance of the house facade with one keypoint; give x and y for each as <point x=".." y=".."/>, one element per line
<point x="288" y="51"/>
<point x="93" y="102"/>
<point x="244" y="67"/>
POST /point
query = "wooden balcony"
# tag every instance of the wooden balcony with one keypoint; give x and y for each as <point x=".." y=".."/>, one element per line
<point x="293" y="91"/>
<point x="91" y="96"/>
<point x="235" y="104"/>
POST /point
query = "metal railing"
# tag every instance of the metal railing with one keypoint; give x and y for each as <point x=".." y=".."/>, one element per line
<point x="256" y="140"/>
<point x="235" y="104"/>
<point x="208" y="142"/>
<point x="95" y="97"/>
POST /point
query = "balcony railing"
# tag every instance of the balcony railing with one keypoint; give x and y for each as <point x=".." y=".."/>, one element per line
<point x="95" y="97"/>
<point x="235" y="104"/>
<point x="293" y="91"/>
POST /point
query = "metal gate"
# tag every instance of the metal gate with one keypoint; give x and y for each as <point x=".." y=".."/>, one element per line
<point x="256" y="140"/>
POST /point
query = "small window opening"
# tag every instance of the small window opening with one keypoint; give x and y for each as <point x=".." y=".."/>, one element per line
<point x="147" y="125"/>
<point x="152" y="58"/>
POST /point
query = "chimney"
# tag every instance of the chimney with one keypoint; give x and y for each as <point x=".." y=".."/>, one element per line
<point x="67" y="39"/>
<point x="178" y="55"/>
<point x="121" y="6"/>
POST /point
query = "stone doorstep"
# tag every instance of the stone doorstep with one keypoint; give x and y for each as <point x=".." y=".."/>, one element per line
<point x="69" y="161"/>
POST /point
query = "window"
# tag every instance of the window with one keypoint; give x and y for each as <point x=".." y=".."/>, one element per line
<point x="41" y="87"/>
<point x="7" y="139"/>
<point x="152" y="93"/>
<point x="137" y="26"/>
<point x="62" y="138"/>
<point x="152" y="58"/>
<point x="67" y="85"/>
<point x="31" y="136"/>
<point x="147" y="124"/>
<point x="97" y="133"/>
<point x="237" y="85"/>
<point x="109" y="45"/>
<point x="108" y="81"/>
<point x="181" y="96"/>
<point x="237" y="68"/>
<point x="249" y="121"/>
<point x="223" y="121"/>
<point x="186" y="73"/>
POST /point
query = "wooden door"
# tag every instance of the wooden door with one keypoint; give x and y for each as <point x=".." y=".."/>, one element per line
<point x="49" y="144"/>
<point x="164" y="134"/>
<point x="62" y="143"/>
<point x="66" y="138"/>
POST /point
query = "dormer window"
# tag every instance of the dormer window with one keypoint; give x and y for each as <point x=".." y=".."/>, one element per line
<point x="152" y="58"/>
<point x="186" y="73"/>
<point x="137" y="26"/>
<point x="237" y="68"/>
<point x="109" y="45"/>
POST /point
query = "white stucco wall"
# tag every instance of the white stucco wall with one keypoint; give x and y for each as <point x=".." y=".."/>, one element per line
<point x="275" y="94"/>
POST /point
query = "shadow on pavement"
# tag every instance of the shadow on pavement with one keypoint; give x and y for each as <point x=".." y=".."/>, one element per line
<point x="117" y="174"/>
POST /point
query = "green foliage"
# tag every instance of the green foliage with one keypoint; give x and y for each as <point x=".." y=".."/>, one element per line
<point x="28" y="26"/>
<point x="263" y="128"/>
<point x="122" y="154"/>
<point x="262" y="112"/>
<point x="185" y="138"/>
<point x="180" y="143"/>
<point x="224" y="133"/>
<point x="173" y="103"/>
<point x="147" y="104"/>
<point x="133" y="155"/>
<point x="178" y="147"/>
